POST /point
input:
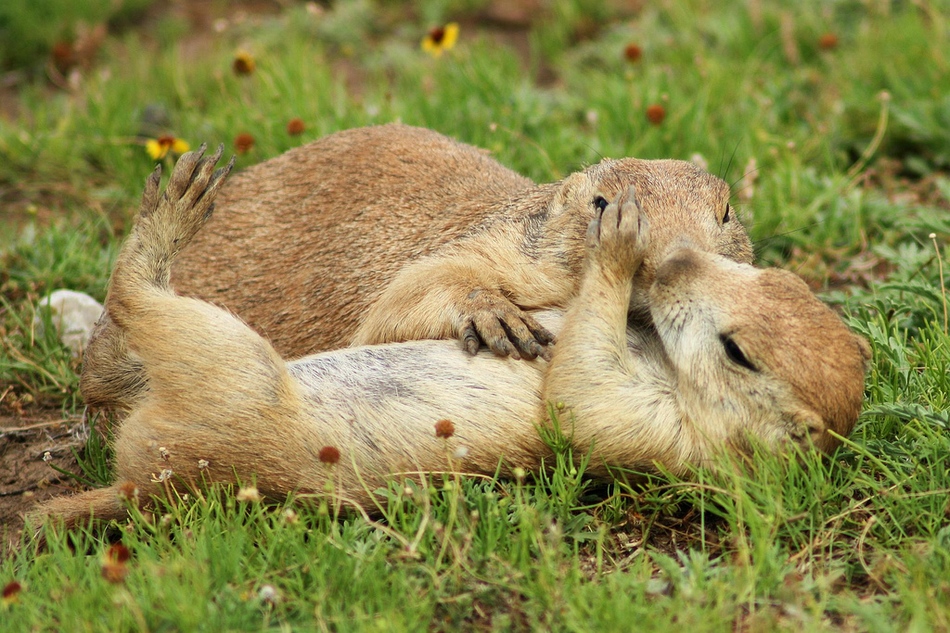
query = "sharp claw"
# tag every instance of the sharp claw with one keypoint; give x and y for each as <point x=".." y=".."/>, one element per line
<point x="536" y="349"/>
<point x="470" y="340"/>
<point x="505" y="348"/>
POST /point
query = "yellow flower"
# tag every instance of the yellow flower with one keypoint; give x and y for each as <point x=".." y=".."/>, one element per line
<point x="158" y="148"/>
<point x="440" y="39"/>
<point x="243" y="63"/>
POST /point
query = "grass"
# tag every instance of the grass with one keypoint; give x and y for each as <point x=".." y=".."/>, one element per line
<point x="835" y="182"/>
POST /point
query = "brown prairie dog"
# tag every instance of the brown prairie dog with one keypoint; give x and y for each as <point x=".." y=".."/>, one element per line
<point x="223" y="404"/>
<point x="395" y="233"/>
<point x="737" y="353"/>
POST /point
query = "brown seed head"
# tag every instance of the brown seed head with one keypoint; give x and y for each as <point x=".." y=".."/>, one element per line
<point x="295" y="127"/>
<point x="632" y="52"/>
<point x="128" y="491"/>
<point x="437" y="34"/>
<point x="243" y="64"/>
<point x="243" y="143"/>
<point x="828" y="41"/>
<point x="329" y="455"/>
<point x="64" y="56"/>
<point x="114" y="568"/>
<point x="11" y="590"/>
<point x="656" y="113"/>
<point x="118" y="553"/>
<point x="444" y="429"/>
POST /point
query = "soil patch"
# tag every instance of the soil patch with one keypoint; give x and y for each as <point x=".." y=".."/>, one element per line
<point x="26" y="478"/>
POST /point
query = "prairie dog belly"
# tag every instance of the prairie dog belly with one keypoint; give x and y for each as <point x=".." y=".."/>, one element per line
<point x="382" y="403"/>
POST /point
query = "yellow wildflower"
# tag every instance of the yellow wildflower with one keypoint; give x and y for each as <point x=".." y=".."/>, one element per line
<point x="159" y="147"/>
<point x="243" y="63"/>
<point x="440" y="39"/>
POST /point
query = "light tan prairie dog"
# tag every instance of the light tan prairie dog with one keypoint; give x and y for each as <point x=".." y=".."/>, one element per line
<point x="224" y="406"/>
<point x="395" y="233"/>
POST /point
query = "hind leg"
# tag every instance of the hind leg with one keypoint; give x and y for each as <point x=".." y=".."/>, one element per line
<point x="112" y="377"/>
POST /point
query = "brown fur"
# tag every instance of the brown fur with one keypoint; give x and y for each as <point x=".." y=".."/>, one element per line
<point x="223" y="406"/>
<point x="396" y="233"/>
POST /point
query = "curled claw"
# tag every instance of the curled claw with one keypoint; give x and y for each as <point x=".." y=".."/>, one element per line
<point x="505" y="329"/>
<point x="470" y="340"/>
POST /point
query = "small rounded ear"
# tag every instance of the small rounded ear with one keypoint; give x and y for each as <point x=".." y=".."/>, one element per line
<point x="809" y="424"/>
<point x="578" y="185"/>
<point x="864" y="347"/>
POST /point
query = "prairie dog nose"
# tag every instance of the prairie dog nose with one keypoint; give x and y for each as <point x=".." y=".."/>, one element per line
<point x="682" y="262"/>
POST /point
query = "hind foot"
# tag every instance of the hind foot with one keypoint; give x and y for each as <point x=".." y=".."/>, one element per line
<point x="188" y="200"/>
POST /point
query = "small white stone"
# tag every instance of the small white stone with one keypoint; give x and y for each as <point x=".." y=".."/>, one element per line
<point x="73" y="314"/>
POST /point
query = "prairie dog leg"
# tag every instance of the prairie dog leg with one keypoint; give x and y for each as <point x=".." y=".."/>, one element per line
<point x="459" y="295"/>
<point x="618" y="399"/>
<point x="195" y="355"/>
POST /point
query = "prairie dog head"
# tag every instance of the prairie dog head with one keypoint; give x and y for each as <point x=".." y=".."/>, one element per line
<point x="756" y="353"/>
<point x="686" y="206"/>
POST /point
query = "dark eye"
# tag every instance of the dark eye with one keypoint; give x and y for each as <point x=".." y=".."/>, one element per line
<point x="725" y="218"/>
<point x="600" y="203"/>
<point x="735" y="353"/>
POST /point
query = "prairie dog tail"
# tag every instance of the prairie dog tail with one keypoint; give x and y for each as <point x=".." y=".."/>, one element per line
<point x="103" y="504"/>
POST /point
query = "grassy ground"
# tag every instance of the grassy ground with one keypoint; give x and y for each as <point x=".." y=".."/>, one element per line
<point x="831" y="120"/>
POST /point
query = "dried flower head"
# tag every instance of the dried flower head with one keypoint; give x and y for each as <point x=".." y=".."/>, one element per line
<point x="243" y="64"/>
<point x="268" y="594"/>
<point x="828" y="41"/>
<point x="440" y="39"/>
<point x="11" y="592"/>
<point x="329" y="455"/>
<point x="114" y="568"/>
<point x="163" y="453"/>
<point x="243" y="143"/>
<point x="632" y="52"/>
<point x="656" y="113"/>
<point x="64" y="56"/>
<point x="295" y="127"/>
<point x="444" y="429"/>
<point x="249" y="494"/>
<point x="165" y="475"/>
<point x="128" y="491"/>
<point x="203" y="464"/>
<point x="158" y="148"/>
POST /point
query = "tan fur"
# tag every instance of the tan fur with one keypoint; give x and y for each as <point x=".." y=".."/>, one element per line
<point x="675" y="396"/>
<point x="223" y="406"/>
<point x="396" y="233"/>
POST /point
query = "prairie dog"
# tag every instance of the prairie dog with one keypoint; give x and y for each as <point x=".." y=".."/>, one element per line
<point x="395" y="233"/>
<point x="222" y="404"/>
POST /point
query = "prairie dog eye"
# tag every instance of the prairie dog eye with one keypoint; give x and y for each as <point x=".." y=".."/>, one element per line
<point x="734" y="352"/>
<point x="726" y="216"/>
<point x="600" y="203"/>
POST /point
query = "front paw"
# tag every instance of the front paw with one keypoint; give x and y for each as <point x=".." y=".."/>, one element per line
<point x="618" y="237"/>
<point x="490" y="318"/>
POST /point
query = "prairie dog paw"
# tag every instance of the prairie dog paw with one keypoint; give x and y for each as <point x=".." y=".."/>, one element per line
<point x="490" y="318"/>
<point x="188" y="199"/>
<point x="618" y="237"/>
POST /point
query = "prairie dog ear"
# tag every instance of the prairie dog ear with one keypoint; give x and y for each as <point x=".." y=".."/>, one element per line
<point x="808" y="424"/>
<point x="578" y="184"/>
<point x="864" y="347"/>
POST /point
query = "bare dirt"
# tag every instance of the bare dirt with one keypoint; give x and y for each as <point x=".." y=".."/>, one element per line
<point x="26" y="478"/>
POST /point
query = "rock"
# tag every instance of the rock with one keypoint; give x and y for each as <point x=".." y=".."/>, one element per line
<point x="73" y="314"/>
